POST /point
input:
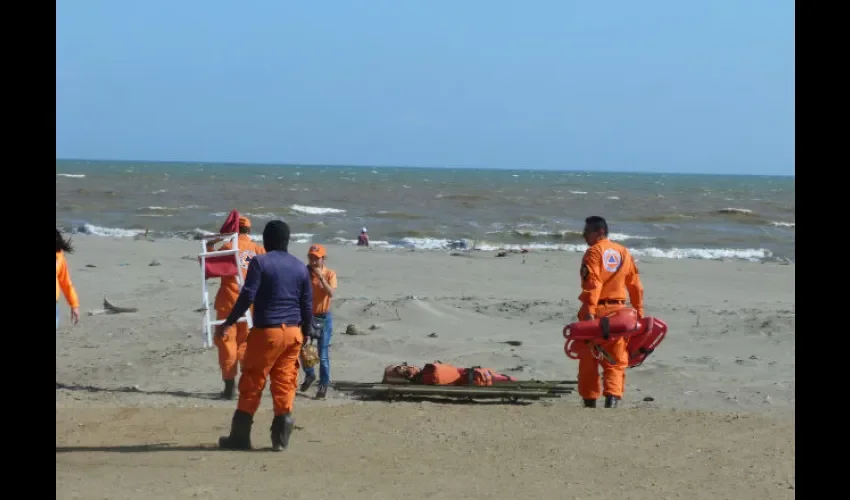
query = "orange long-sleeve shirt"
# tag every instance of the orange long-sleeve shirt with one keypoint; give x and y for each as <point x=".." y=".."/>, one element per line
<point x="63" y="281"/>
<point x="608" y="272"/>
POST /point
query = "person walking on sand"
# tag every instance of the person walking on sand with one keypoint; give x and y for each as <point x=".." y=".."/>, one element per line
<point x="278" y="285"/>
<point x="608" y="273"/>
<point x="63" y="279"/>
<point x="231" y="346"/>
<point x="324" y="283"/>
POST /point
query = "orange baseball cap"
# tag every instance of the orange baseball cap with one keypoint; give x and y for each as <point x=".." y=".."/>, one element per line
<point x="244" y="222"/>
<point x="317" y="251"/>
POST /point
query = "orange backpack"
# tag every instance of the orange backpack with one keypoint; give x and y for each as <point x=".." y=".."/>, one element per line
<point x="437" y="373"/>
<point x="399" y="374"/>
<point x="476" y="375"/>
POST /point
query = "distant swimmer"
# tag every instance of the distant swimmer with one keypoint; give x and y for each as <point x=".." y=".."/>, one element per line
<point x="608" y="273"/>
<point x="363" y="238"/>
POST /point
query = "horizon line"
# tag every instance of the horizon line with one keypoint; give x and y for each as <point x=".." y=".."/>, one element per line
<point x="523" y="169"/>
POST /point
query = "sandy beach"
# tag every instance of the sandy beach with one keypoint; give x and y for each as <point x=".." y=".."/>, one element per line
<point x="709" y="415"/>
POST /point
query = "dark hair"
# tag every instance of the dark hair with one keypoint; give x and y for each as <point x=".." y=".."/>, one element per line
<point x="276" y="236"/>
<point x="244" y="230"/>
<point x="595" y="223"/>
<point x="63" y="244"/>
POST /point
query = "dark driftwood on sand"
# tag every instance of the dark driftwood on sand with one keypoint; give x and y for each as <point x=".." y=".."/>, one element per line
<point x="110" y="308"/>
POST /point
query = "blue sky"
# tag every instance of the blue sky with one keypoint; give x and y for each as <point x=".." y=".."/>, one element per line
<point x="668" y="86"/>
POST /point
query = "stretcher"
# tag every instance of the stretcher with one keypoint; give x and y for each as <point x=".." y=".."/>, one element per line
<point x="511" y="391"/>
<point x="643" y="335"/>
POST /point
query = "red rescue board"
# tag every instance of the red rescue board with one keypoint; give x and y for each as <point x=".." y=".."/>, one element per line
<point x="642" y="344"/>
<point x="644" y="335"/>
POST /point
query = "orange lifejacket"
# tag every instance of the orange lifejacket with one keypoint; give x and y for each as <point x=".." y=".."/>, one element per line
<point x="438" y="373"/>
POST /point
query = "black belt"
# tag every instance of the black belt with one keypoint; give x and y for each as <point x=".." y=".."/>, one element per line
<point x="296" y="325"/>
<point x="322" y="315"/>
<point x="611" y="301"/>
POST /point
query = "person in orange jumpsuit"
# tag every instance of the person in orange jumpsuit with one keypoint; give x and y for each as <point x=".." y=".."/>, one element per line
<point x="278" y="285"/>
<point x="63" y="279"/>
<point x="324" y="287"/>
<point x="608" y="275"/>
<point x="231" y="346"/>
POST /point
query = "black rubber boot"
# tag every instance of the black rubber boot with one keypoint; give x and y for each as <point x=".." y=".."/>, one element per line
<point x="590" y="403"/>
<point x="227" y="393"/>
<point x="282" y="426"/>
<point x="322" y="392"/>
<point x="612" y="401"/>
<point x="240" y="432"/>
<point x="308" y="381"/>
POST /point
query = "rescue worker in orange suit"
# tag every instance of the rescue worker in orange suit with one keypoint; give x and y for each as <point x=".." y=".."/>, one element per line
<point x="231" y="345"/>
<point x="63" y="279"/>
<point x="608" y="275"/>
<point x="278" y="285"/>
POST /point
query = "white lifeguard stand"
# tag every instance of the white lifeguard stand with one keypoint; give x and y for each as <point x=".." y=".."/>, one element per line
<point x="226" y="263"/>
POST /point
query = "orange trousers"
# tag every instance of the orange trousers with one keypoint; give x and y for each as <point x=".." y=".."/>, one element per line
<point x="613" y="374"/>
<point x="273" y="353"/>
<point x="231" y="346"/>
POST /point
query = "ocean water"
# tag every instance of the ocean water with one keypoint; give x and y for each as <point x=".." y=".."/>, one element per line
<point x="660" y="215"/>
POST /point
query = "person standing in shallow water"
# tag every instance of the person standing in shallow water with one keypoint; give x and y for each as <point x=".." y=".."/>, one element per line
<point x="363" y="238"/>
<point x="324" y="283"/>
<point x="64" y="285"/>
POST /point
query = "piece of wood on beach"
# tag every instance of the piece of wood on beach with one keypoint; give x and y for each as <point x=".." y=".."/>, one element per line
<point x="110" y="308"/>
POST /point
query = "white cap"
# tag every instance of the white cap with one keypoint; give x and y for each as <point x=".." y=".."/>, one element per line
<point x="364" y="230"/>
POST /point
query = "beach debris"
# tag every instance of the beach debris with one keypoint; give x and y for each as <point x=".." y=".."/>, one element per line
<point x="649" y="398"/>
<point x="433" y="335"/>
<point x="502" y="254"/>
<point x="374" y="327"/>
<point x="90" y="265"/>
<point x="155" y="263"/>
<point x="515" y="343"/>
<point x="144" y="236"/>
<point x="353" y="330"/>
<point x="110" y="308"/>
